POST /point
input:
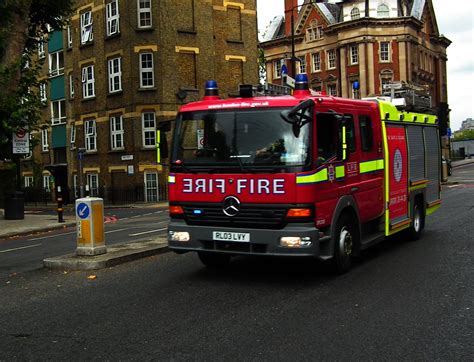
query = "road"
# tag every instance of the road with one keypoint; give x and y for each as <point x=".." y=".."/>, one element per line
<point x="402" y="301"/>
<point x="26" y="253"/>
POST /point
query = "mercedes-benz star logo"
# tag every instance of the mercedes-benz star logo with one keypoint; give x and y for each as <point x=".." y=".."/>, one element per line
<point x="231" y="206"/>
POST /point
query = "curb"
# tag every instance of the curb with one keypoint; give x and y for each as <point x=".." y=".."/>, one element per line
<point x="37" y="230"/>
<point x="116" y="254"/>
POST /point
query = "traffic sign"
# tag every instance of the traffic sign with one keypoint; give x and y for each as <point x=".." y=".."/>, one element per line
<point x="21" y="142"/>
<point x="83" y="210"/>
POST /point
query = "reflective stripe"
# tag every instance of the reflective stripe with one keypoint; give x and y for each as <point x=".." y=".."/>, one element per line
<point x="319" y="176"/>
<point x="371" y="166"/>
<point x="388" y="112"/>
<point x="340" y="171"/>
<point x="171" y="179"/>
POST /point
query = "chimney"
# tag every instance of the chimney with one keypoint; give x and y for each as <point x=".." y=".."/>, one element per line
<point x="291" y="7"/>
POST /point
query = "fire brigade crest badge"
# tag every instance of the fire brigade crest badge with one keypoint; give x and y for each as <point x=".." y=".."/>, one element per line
<point x="331" y="173"/>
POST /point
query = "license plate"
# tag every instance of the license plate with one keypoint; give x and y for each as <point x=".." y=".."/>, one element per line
<point x="228" y="236"/>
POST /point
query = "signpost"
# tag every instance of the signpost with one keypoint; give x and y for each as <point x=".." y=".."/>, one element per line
<point x="21" y="142"/>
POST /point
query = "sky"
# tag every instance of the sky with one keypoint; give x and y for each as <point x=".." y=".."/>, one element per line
<point x="455" y="21"/>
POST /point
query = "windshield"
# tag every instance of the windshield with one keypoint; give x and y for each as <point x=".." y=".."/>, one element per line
<point x="248" y="139"/>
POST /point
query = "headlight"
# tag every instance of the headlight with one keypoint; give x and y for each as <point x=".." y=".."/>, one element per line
<point x="295" y="242"/>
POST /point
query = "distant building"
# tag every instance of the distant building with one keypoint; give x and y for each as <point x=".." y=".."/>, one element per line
<point x="119" y="72"/>
<point x="354" y="48"/>
<point x="467" y="124"/>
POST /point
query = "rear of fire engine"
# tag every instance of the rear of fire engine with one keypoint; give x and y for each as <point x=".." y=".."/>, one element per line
<point x="297" y="176"/>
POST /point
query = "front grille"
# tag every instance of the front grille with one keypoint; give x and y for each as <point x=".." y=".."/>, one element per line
<point x="251" y="216"/>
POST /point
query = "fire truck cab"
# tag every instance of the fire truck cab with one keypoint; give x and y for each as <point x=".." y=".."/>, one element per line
<point x="305" y="175"/>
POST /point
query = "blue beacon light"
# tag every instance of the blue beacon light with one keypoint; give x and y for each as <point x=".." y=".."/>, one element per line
<point x="211" y="90"/>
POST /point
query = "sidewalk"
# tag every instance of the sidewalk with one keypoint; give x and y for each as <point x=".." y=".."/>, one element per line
<point x="116" y="254"/>
<point x="462" y="162"/>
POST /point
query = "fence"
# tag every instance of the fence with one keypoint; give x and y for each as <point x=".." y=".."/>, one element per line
<point x="115" y="196"/>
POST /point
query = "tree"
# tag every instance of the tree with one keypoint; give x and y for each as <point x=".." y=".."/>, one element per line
<point x="23" y="24"/>
<point x="464" y="135"/>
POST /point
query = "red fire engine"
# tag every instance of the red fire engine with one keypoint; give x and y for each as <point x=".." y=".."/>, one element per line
<point x="299" y="176"/>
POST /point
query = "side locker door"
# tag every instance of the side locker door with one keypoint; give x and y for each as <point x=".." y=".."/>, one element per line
<point x="398" y="175"/>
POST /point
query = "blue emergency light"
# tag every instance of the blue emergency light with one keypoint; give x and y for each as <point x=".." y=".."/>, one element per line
<point x="211" y="89"/>
<point x="301" y="82"/>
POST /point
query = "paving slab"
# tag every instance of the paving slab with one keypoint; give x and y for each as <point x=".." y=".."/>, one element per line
<point x="116" y="254"/>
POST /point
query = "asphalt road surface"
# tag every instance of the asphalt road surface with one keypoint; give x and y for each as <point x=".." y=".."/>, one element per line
<point x="402" y="301"/>
<point x="26" y="253"/>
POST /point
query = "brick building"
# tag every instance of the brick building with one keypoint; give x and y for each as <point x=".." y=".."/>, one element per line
<point x="119" y="72"/>
<point x="352" y="48"/>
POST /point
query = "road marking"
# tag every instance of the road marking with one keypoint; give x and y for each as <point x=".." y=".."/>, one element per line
<point x="147" y="232"/>
<point x="20" y="248"/>
<point x="115" y="231"/>
<point x="52" y="236"/>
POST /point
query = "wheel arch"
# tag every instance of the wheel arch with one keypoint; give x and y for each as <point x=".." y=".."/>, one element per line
<point x="345" y="205"/>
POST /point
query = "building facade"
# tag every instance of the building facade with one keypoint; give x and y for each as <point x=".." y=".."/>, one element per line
<point x="118" y="72"/>
<point x="354" y="48"/>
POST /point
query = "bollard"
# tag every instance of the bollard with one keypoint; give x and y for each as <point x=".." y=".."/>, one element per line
<point x="90" y="226"/>
<point x="60" y="209"/>
<point x="60" y="206"/>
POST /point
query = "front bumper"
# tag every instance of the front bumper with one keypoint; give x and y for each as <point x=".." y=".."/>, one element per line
<point x="262" y="241"/>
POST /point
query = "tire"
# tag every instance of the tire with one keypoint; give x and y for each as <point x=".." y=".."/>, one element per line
<point x="214" y="260"/>
<point x="418" y="222"/>
<point x="344" y="244"/>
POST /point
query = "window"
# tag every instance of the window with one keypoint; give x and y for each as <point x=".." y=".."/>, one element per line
<point x="69" y="36"/>
<point x="151" y="187"/>
<point x="90" y="135"/>
<point x="316" y="57"/>
<point x="332" y="90"/>
<point x="234" y="23"/>
<point x="355" y="14"/>
<point x="317" y="85"/>
<point x="383" y="11"/>
<point x="116" y="132"/>
<point x="112" y="16"/>
<point x="350" y="133"/>
<point x="385" y="51"/>
<point x="42" y="92"/>
<point x="115" y="75"/>
<point x="302" y="65"/>
<point x="149" y="129"/>
<point x="277" y="68"/>
<point x="147" y="79"/>
<point x="86" y="27"/>
<point x="56" y="63"/>
<point x="144" y="14"/>
<point x="58" y="112"/>
<point x="93" y="184"/>
<point x="71" y="86"/>
<point x="73" y="134"/>
<point x="41" y="52"/>
<point x="88" y="82"/>
<point x="331" y="59"/>
<point x="366" y="136"/>
<point x="328" y="137"/>
<point x="314" y="32"/>
<point x="47" y="183"/>
<point x="354" y="54"/>
<point x="29" y="181"/>
<point x="44" y="140"/>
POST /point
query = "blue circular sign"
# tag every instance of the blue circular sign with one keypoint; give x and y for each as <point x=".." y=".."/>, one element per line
<point x="83" y="210"/>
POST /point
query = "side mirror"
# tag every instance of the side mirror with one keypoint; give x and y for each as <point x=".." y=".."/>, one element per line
<point x="298" y="116"/>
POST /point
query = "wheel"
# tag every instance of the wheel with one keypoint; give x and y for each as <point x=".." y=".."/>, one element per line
<point x="344" y="244"/>
<point x="418" y="222"/>
<point x="214" y="260"/>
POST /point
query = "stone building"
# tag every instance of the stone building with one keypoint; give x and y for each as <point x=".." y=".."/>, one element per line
<point x="353" y="48"/>
<point x="118" y="72"/>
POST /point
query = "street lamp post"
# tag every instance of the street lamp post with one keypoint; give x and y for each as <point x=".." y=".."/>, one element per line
<point x="80" y="157"/>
